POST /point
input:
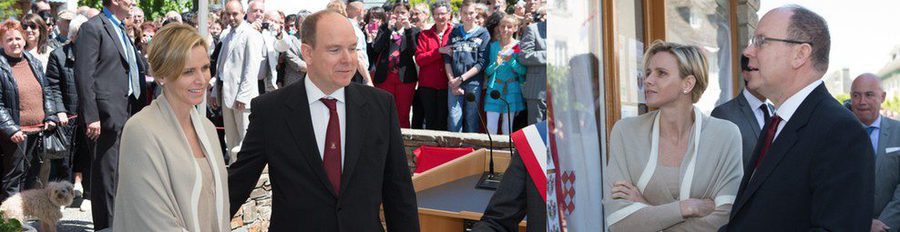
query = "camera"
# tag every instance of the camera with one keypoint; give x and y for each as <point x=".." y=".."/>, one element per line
<point x="265" y="25"/>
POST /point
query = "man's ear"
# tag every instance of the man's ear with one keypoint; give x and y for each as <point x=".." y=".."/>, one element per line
<point x="305" y="51"/>
<point x="802" y="54"/>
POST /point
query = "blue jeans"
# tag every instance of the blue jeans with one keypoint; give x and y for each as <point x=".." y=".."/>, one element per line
<point x="463" y="116"/>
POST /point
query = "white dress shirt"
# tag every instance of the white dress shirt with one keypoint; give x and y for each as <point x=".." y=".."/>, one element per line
<point x="789" y="107"/>
<point x="755" y="104"/>
<point x="320" y="115"/>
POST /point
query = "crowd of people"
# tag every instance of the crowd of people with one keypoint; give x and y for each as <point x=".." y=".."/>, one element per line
<point x="107" y="79"/>
<point x="782" y="155"/>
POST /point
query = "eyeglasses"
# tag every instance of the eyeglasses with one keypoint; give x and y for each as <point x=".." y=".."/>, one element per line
<point x="29" y="26"/>
<point x="758" y="41"/>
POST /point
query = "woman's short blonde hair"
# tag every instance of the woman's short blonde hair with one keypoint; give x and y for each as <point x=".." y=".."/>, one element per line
<point x="691" y="61"/>
<point x="171" y="49"/>
<point x="337" y="6"/>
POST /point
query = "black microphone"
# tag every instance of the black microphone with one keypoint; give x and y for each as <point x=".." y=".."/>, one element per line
<point x="488" y="180"/>
<point x="496" y="96"/>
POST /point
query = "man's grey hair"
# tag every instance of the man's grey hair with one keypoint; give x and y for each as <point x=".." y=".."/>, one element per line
<point x="807" y="26"/>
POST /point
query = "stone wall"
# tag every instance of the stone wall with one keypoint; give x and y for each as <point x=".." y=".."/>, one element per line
<point x="255" y="213"/>
<point x="747" y="18"/>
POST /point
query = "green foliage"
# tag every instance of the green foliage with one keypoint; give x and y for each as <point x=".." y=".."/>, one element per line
<point x="96" y="4"/>
<point x="456" y="4"/>
<point x="892" y="104"/>
<point x="8" y="9"/>
<point x="842" y="97"/>
<point x="152" y="8"/>
<point x="11" y="225"/>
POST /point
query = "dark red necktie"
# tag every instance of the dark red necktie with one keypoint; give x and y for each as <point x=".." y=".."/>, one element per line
<point x="331" y="159"/>
<point x="770" y="136"/>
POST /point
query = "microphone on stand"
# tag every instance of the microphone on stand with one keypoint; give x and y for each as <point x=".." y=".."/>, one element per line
<point x="496" y="96"/>
<point x="489" y="180"/>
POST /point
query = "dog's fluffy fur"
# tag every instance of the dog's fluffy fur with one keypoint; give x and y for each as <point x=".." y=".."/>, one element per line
<point x="43" y="204"/>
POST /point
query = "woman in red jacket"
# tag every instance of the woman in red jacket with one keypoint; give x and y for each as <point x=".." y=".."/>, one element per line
<point x="432" y="75"/>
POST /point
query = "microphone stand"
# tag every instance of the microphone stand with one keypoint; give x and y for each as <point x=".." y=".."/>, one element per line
<point x="490" y="180"/>
<point x="496" y="96"/>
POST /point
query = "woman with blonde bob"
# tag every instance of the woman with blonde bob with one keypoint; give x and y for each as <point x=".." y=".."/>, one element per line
<point x="673" y="169"/>
<point x="172" y="175"/>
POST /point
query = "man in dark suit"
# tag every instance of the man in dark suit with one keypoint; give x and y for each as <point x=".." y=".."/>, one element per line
<point x="534" y="56"/>
<point x="866" y="96"/>
<point x="748" y="111"/>
<point x="812" y="168"/>
<point x="110" y="89"/>
<point x="518" y="195"/>
<point x="333" y="149"/>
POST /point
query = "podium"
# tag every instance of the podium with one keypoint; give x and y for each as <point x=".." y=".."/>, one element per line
<point x="446" y="194"/>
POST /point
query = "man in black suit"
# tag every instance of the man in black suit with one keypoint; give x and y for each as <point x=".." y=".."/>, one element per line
<point x="518" y="195"/>
<point x="319" y="181"/>
<point x="812" y="168"/>
<point x="748" y="111"/>
<point x="110" y="89"/>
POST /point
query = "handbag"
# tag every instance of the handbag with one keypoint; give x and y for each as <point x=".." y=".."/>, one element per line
<point x="54" y="144"/>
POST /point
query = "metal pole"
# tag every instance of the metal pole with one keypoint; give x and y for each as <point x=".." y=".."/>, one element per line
<point x="203" y="26"/>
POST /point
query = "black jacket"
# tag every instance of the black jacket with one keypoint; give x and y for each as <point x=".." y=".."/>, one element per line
<point x="102" y="72"/>
<point x="61" y="77"/>
<point x="381" y="47"/>
<point x="818" y="174"/>
<point x="375" y="172"/>
<point x="9" y="104"/>
<point x="516" y="198"/>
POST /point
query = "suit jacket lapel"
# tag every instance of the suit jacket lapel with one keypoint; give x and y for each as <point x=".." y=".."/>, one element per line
<point x="299" y="121"/>
<point x="749" y="115"/>
<point x="111" y="31"/>
<point x="357" y="113"/>
<point x="783" y="143"/>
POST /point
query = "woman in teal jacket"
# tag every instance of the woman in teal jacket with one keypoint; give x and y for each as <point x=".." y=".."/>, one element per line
<point x="506" y="75"/>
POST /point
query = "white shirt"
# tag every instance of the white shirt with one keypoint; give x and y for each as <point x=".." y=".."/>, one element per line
<point x="362" y="55"/>
<point x="755" y="104"/>
<point x="226" y="37"/>
<point x="789" y="107"/>
<point x="320" y="115"/>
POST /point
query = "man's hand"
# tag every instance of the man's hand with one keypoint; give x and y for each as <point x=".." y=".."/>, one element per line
<point x="456" y="81"/>
<point x="239" y="106"/>
<point x="63" y="118"/>
<point x="18" y="137"/>
<point x="213" y="102"/>
<point x="93" y="130"/>
<point x="257" y="25"/>
<point x="878" y="226"/>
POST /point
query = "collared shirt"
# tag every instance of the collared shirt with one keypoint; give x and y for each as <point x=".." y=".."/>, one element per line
<point x="755" y="104"/>
<point x="320" y="115"/>
<point x="117" y="24"/>
<point x="226" y="37"/>
<point x="874" y="136"/>
<point x="129" y="53"/>
<point x="789" y="107"/>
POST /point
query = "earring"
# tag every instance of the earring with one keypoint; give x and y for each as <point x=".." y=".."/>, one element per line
<point x="685" y="92"/>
